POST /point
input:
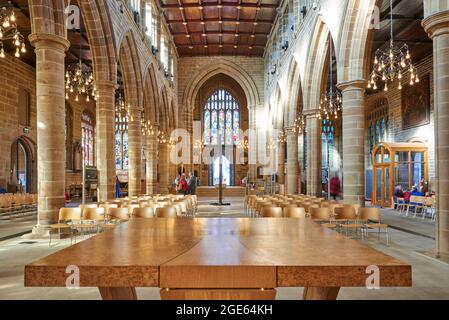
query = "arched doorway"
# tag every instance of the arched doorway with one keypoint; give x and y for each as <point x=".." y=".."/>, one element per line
<point x="23" y="166"/>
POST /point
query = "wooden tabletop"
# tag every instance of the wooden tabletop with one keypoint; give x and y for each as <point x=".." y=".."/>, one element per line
<point x="218" y="253"/>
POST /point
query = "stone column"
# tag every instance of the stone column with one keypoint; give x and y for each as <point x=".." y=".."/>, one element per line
<point x="281" y="163"/>
<point x="151" y="164"/>
<point x="134" y="152"/>
<point x="437" y="26"/>
<point x="314" y="166"/>
<point x="253" y="145"/>
<point x="292" y="162"/>
<point x="301" y="162"/>
<point x="50" y="99"/>
<point x="163" y="168"/>
<point x="353" y="129"/>
<point x="105" y="144"/>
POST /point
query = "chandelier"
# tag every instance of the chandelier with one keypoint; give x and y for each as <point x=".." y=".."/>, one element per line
<point x="9" y="31"/>
<point x="282" y="138"/>
<point x="122" y="114"/>
<point x="145" y="125"/>
<point x="79" y="79"/>
<point x="244" y="144"/>
<point x="331" y="101"/>
<point x="199" y="144"/>
<point x="300" y="124"/>
<point x="390" y="65"/>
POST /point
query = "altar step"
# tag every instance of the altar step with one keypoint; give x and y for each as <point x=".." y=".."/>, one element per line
<point x="231" y="192"/>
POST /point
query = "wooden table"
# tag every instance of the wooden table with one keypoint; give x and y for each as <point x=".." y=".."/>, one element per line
<point x="218" y="258"/>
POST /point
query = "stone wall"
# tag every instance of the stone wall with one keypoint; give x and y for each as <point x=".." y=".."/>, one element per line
<point x="395" y="132"/>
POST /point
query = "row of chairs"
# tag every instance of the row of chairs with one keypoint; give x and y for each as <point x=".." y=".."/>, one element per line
<point x="95" y="217"/>
<point x="346" y="218"/>
<point x="17" y="204"/>
<point x="417" y="204"/>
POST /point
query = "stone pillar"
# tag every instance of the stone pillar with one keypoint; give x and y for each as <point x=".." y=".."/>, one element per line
<point x="353" y="129"/>
<point x="253" y="145"/>
<point x="292" y="162"/>
<point x="437" y="26"/>
<point x="134" y="152"/>
<point x="281" y="163"/>
<point x="105" y="142"/>
<point x="301" y="186"/>
<point x="151" y="164"/>
<point x="314" y="167"/>
<point x="50" y="99"/>
<point x="163" y="168"/>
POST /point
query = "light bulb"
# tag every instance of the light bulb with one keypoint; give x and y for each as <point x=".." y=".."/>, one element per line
<point x="17" y="54"/>
<point x="386" y="87"/>
<point x="408" y="55"/>
<point x="6" y="23"/>
<point x="1" y="34"/>
<point x="375" y="87"/>
<point x="2" y="53"/>
<point x="76" y="98"/>
<point x="400" y="86"/>
<point x="23" y="48"/>
<point x="17" y="43"/>
<point x="13" y="17"/>
<point x="66" y="95"/>
<point x="417" y="79"/>
<point x="369" y="85"/>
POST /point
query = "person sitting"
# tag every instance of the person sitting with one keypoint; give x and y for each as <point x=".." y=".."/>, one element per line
<point x="416" y="192"/>
<point x="407" y="196"/>
<point x="398" y="192"/>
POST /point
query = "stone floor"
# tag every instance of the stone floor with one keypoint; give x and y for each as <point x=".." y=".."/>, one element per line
<point x="430" y="276"/>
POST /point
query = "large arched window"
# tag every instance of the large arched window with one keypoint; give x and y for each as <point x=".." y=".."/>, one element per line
<point x="378" y="124"/>
<point x="121" y="141"/>
<point x="88" y="138"/>
<point x="327" y="143"/>
<point x="221" y="119"/>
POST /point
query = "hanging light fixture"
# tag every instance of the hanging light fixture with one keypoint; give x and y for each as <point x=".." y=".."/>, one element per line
<point x="122" y="114"/>
<point x="79" y="80"/>
<point x="390" y="65"/>
<point x="300" y="124"/>
<point x="145" y="125"/>
<point x="282" y="138"/>
<point x="331" y="101"/>
<point x="9" y="31"/>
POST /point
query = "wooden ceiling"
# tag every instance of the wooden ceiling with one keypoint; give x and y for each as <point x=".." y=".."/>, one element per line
<point x="220" y="27"/>
<point x="79" y="45"/>
<point x="407" y="18"/>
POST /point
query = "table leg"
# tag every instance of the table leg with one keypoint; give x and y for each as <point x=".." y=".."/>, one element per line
<point x="218" y="294"/>
<point x="321" y="293"/>
<point x="118" y="293"/>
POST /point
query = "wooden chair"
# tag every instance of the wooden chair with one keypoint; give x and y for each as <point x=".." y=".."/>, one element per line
<point x="271" y="212"/>
<point x="91" y="219"/>
<point x="322" y="216"/>
<point x="370" y="219"/>
<point x="166" y="212"/>
<point x="65" y="219"/>
<point x="429" y="205"/>
<point x="121" y="214"/>
<point x="146" y="212"/>
<point x="294" y="212"/>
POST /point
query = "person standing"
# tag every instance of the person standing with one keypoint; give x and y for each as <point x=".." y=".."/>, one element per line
<point x="176" y="184"/>
<point x="335" y="186"/>
<point x="117" y="188"/>
<point x="193" y="182"/>
<point x="183" y="187"/>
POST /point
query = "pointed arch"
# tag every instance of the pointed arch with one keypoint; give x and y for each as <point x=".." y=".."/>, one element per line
<point x="228" y="68"/>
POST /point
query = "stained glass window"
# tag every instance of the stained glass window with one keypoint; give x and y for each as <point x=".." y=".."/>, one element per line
<point x="378" y="124"/>
<point x="121" y="142"/>
<point x="221" y="119"/>
<point x="327" y="140"/>
<point x="87" y="138"/>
